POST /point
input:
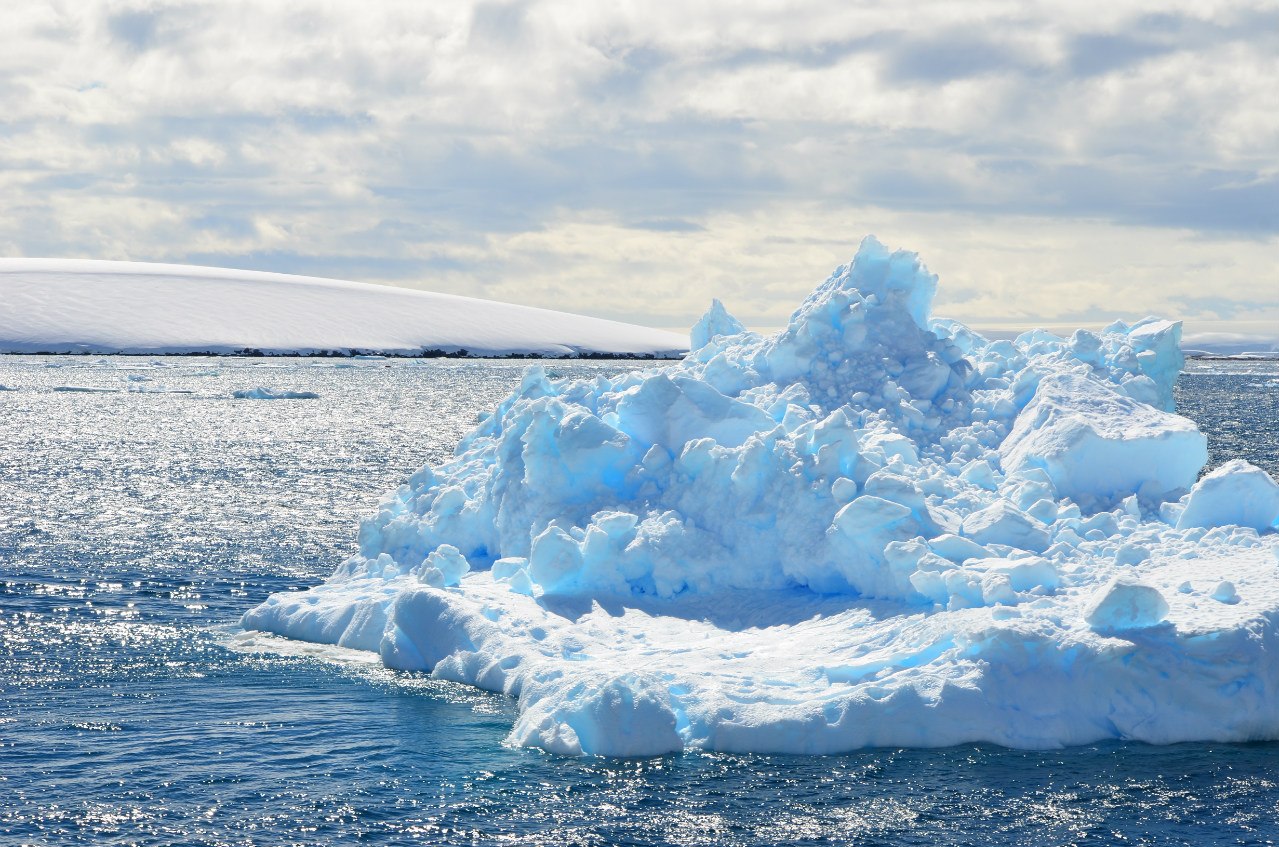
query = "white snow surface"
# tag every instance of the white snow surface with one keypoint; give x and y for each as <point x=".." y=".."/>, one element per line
<point x="89" y="306"/>
<point x="872" y="528"/>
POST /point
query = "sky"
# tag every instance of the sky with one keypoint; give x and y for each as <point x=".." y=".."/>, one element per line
<point x="1057" y="164"/>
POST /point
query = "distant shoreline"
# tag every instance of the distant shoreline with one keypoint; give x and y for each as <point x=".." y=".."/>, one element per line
<point x="72" y="307"/>
<point x="253" y="353"/>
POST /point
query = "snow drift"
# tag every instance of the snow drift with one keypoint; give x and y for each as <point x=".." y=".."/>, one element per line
<point x="872" y="528"/>
<point x="68" y="306"/>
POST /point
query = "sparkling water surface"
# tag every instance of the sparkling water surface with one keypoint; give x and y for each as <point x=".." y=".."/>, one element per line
<point x="137" y="523"/>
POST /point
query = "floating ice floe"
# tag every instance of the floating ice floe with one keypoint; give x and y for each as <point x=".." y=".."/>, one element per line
<point x="273" y="394"/>
<point x="872" y="528"/>
<point x="142" y="388"/>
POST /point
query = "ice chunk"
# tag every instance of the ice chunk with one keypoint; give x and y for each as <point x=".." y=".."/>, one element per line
<point x="1099" y="446"/>
<point x="1124" y="605"/>
<point x="508" y="567"/>
<point x="1034" y="574"/>
<point x="627" y="715"/>
<point x="956" y="548"/>
<point x="520" y="582"/>
<point x="444" y="567"/>
<point x="979" y="473"/>
<point x="1225" y="592"/>
<point x="716" y="321"/>
<point x="1003" y="523"/>
<point x="890" y="277"/>
<point x="1157" y="344"/>
<point x="861" y="531"/>
<point x="555" y="561"/>
<point x="1236" y="494"/>
<point x="1131" y="554"/>
<point x="672" y="412"/>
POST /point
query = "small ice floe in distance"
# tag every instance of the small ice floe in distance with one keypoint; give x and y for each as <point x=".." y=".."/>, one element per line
<point x="273" y="394"/>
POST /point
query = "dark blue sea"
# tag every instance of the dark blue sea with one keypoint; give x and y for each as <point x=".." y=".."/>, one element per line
<point x="137" y="523"/>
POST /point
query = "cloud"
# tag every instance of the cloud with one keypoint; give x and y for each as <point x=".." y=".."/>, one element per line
<point x="667" y="225"/>
<point x="135" y="28"/>
<point x="637" y="159"/>
<point x="954" y="56"/>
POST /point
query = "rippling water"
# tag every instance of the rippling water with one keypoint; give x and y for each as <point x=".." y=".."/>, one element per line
<point x="136" y="526"/>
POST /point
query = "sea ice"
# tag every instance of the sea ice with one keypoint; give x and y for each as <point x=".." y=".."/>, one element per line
<point x="83" y="389"/>
<point x="273" y="394"/>
<point x="874" y="527"/>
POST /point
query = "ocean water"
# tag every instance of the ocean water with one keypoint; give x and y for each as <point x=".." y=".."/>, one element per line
<point x="137" y="523"/>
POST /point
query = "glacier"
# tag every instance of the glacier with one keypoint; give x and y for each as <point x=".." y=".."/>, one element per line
<point x="872" y="528"/>
<point x="92" y="306"/>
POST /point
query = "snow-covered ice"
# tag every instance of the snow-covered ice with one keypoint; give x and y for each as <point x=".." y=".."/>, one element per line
<point x="716" y="321"/>
<point x="84" y="389"/>
<point x="83" y="306"/>
<point x="1237" y="493"/>
<point x="872" y="528"/>
<point x="273" y="394"/>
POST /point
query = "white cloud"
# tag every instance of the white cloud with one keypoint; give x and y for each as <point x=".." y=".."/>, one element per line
<point x="636" y="158"/>
<point x="997" y="273"/>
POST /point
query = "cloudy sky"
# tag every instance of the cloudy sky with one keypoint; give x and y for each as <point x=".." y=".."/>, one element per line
<point x="1055" y="163"/>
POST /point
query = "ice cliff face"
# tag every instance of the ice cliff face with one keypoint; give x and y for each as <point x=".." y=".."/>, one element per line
<point x="871" y="528"/>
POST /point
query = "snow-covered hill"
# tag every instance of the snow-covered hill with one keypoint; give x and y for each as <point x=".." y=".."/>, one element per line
<point x="71" y="306"/>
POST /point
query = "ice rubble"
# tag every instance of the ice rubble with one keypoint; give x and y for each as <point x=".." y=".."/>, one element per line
<point x="873" y="528"/>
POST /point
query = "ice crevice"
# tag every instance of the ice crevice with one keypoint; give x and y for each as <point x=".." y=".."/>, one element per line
<point x="875" y="527"/>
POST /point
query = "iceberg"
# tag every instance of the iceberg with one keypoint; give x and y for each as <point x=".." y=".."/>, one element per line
<point x="874" y="527"/>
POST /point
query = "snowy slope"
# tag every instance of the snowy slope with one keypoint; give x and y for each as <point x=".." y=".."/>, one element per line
<point x="59" y="305"/>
